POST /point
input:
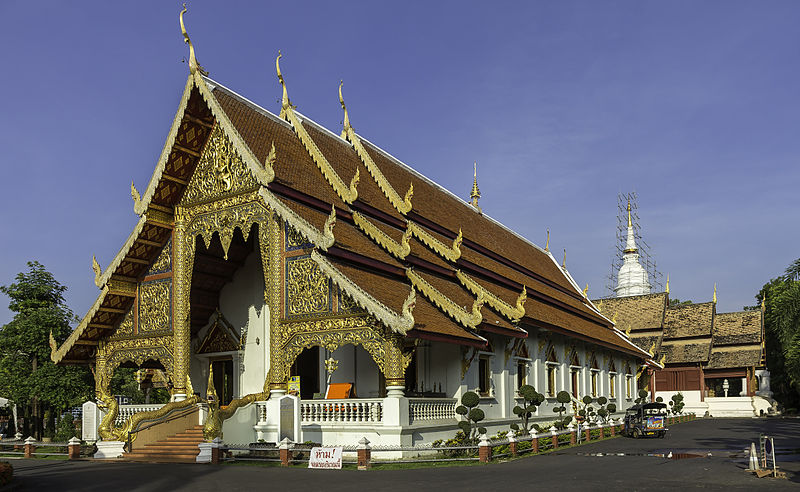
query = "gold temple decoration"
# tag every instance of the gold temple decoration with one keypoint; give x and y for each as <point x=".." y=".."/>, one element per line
<point x="714" y="299"/>
<point x="630" y="223"/>
<point x="666" y="288"/>
<point x="98" y="272"/>
<point x="271" y="157"/>
<point x="137" y="198"/>
<point x="652" y="349"/>
<point x="513" y="313"/>
<point x="286" y="104"/>
<point x="399" y="323"/>
<point x="564" y="261"/>
<point x="194" y="67"/>
<point x="547" y="242"/>
<point x="475" y="194"/>
<point x="520" y="304"/>
<point x="469" y="319"/>
<point x="662" y="359"/>
<point x="327" y="229"/>
<point x="466" y="360"/>
<point x="400" y="250"/>
<point x="586" y="291"/>
<point x="402" y="205"/>
<point x="451" y="253"/>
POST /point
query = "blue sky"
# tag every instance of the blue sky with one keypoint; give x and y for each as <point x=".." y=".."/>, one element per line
<point x="694" y="105"/>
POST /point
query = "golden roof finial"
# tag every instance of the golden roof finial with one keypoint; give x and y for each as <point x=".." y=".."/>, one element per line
<point x="564" y="261"/>
<point x="476" y="193"/>
<point x="666" y="289"/>
<point x="586" y="290"/>
<point x="763" y="302"/>
<point x="547" y="242"/>
<point x="346" y="124"/>
<point x="286" y="104"/>
<point x="714" y="300"/>
<point x="630" y="223"/>
<point x="193" y="65"/>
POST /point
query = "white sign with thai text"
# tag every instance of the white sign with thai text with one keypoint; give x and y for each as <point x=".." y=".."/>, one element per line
<point x="325" y="458"/>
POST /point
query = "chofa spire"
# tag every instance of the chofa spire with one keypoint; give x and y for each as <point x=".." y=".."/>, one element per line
<point x="194" y="67"/>
<point x="475" y="194"/>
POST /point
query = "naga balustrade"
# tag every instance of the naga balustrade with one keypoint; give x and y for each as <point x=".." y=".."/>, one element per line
<point x="125" y="411"/>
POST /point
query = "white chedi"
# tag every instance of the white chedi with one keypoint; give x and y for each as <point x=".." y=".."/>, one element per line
<point x="632" y="278"/>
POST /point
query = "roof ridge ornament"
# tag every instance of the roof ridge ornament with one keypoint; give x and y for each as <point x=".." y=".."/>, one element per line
<point x="547" y="242"/>
<point x="327" y="229"/>
<point x="666" y="289"/>
<point x="402" y="205"/>
<point x="137" y="198"/>
<point x="98" y="272"/>
<point x="475" y="194"/>
<point x="714" y="299"/>
<point x="194" y="67"/>
<point x="586" y="290"/>
<point x="346" y="123"/>
<point x="286" y="104"/>
<point x="564" y="261"/>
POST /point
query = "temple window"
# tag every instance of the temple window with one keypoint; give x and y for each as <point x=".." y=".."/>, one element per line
<point x="484" y="376"/>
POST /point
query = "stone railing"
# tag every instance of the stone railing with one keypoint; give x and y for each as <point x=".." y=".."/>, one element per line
<point x="125" y="411"/>
<point x="431" y="409"/>
<point x="341" y="411"/>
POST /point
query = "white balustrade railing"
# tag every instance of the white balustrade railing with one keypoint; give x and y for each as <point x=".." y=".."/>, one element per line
<point x="125" y="411"/>
<point x="431" y="409"/>
<point x="261" y="412"/>
<point x="341" y="411"/>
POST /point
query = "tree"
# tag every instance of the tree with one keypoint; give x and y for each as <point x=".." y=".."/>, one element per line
<point x="563" y="398"/>
<point x="678" y="302"/>
<point x="781" y="297"/>
<point x="531" y="399"/>
<point x="28" y="377"/>
<point x="644" y="397"/>
<point x="469" y="402"/>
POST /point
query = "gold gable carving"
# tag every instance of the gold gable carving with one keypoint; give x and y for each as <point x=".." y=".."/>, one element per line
<point x="163" y="263"/>
<point x="220" y="338"/>
<point x="220" y="172"/>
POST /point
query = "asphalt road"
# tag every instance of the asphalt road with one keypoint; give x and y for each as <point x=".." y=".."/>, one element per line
<point x="587" y="467"/>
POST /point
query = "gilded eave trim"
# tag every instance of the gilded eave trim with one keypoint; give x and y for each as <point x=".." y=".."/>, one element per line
<point x="58" y="354"/>
<point x="399" y="250"/>
<point x="467" y="319"/>
<point x="321" y="239"/>
<point x="514" y="314"/>
<point x="399" y="323"/>
<point x="402" y="205"/>
<point x="348" y="194"/>
<point x="450" y="253"/>
<point x="123" y="252"/>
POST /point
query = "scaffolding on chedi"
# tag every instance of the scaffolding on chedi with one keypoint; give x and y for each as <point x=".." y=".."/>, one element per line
<point x="646" y="258"/>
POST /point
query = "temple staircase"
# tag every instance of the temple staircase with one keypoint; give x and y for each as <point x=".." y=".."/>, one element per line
<point x="178" y="448"/>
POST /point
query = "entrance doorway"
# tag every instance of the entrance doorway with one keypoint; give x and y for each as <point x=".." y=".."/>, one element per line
<point x="223" y="380"/>
<point x="307" y="366"/>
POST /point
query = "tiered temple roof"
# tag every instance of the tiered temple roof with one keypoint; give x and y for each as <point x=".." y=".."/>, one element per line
<point x="689" y="334"/>
<point x="425" y="253"/>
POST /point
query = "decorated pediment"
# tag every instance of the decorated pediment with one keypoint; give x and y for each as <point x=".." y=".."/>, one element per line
<point x="220" y="172"/>
<point x="221" y="337"/>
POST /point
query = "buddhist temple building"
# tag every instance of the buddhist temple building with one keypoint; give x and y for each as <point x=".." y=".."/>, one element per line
<point x="715" y="360"/>
<point x="278" y="266"/>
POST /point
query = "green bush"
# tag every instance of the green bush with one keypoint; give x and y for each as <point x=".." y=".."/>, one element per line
<point x="6" y="473"/>
<point x="469" y="427"/>
<point x="65" y="430"/>
<point x="531" y="400"/>
<point x="676" y="403"/>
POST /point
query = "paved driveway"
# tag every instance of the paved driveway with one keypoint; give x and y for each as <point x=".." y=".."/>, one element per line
<point x="578" y="468"/>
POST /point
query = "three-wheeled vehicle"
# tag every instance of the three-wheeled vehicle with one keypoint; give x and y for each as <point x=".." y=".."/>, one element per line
<point x="646" y="419"/>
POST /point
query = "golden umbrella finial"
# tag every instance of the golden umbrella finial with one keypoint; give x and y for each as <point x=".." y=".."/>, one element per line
<point x="630" y="223"/>
<point x="475" y="194"/>
<point x="193" y="65"/>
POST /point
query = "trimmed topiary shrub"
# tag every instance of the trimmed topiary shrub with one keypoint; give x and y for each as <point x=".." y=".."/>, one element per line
<point x="563" y="398"/>
<point x="469" y="402"/>
<point x="531" y="401"/>
<point x="676" y="403"/>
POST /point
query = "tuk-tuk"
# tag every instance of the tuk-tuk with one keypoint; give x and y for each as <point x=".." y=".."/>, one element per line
<point x="646" y="419"/>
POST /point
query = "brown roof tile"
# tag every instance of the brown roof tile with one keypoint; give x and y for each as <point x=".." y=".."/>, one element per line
<point x="692" y="320"/>
<point x="727" y="359"/>
<point x="737" y="328"/>
<point x="645" y="312"/>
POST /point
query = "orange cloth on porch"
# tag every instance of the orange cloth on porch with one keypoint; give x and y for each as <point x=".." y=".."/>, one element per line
<point x="339" y="390"/>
